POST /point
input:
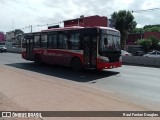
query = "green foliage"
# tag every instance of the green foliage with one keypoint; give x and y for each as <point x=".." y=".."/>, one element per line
<point x="152" y="29"/>
<point x="124" y="22"/>
<point x="147" y="28"/>
<point x="138" y="30"/>
<point x="155" y="42"/>
<point x="150" y="26"/>
<point x="18" y="31"/>
<point x="145" y="43"/>
<point x="151" y="43"/>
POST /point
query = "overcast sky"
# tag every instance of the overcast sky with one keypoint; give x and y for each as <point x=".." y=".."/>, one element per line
<point x="18" y="14"/>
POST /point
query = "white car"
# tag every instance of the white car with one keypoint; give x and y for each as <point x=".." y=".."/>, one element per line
<point x="125" y="53"/>
<point x="3" y="48"/>
<point x="154" y="54"/>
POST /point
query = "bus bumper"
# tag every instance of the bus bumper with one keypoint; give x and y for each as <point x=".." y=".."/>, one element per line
<point x="105" y="65"/>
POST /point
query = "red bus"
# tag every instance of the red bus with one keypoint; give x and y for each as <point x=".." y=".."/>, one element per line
<point x="77" y="47"/>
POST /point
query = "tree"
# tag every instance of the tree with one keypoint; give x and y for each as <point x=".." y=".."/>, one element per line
<point x="145" y="43"/>
<point x="124" y="22"/>
<point x="150" y="43"/>
<point x="154" y="41"/>
<point x="147" y="28"/>
<point x="138" y="30"/>
<point x="18" y="31"/>
<point x="150" y="26"/>
<point x="152" y="29"/>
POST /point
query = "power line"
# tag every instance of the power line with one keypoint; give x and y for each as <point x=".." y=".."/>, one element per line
<point x="41" y="25"/>
<point x="146" y="10"/>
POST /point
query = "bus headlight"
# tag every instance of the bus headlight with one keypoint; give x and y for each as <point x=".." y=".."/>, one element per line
<point x="103" y="59"/>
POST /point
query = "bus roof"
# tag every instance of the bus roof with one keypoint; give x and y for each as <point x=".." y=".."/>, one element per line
<point x="64" y="28"/>
<point x="76" y="28"/>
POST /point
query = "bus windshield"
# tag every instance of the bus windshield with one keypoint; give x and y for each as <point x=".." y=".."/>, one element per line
<point x="109" y="43"/>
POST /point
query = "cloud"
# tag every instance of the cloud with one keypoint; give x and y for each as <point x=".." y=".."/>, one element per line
<point x="146" y="18"/>
<point x="18" y="13"/>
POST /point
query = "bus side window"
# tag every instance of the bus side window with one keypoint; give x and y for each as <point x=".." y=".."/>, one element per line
<point x="60" y="40"/>
<point x="54" y="38"/>
<point x="37" y="41"/>
<point x="77" y="41"/>
<point x="74" y="41"/>
<point x="44" y="41"/>
<point x="65" y="38"/>
<point x="50" y="41"/>
<point x="69" y="43"/>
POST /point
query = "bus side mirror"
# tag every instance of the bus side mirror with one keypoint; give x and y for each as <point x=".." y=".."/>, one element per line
<point x="105" y="41"/>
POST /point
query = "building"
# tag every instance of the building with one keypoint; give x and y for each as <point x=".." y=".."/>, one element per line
<point x="133" y="37"/>
<point x="10" y="36"/>
<point x="14" y="38"/>
<point x="148" y="34"/>
<point x="89" y="21"/>
<point x="2" y="37"/>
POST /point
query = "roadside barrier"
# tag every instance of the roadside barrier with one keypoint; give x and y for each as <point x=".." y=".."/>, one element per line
<point x="140" y="60"/>
<point x="14" y="50"/>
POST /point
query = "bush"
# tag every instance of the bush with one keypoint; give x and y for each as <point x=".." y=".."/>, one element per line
<point x="145" y="43"/>
<point x="155" y="42"/>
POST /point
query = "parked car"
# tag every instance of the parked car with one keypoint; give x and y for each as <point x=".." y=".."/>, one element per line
<point x="3" y="48"/>
<point x="154" y="54"/>
<point x="139" y="53"/>
<point x="125" y="53"/>
<point x="151" y="51"/>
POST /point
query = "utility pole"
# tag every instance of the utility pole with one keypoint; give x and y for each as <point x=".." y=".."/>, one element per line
<point x="31" y="28"/>
<point x="12" y="24"/>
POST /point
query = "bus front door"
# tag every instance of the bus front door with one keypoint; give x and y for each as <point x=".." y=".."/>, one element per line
<point x="29" y="48"/>
<point x="90" y="52"/>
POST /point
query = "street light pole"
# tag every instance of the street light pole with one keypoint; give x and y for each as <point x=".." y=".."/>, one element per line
<point x="31" y="28"/>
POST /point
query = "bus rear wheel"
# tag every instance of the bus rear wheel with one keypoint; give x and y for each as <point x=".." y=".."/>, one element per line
<point x="76" y="64"/>
<point x="37" y="60"/>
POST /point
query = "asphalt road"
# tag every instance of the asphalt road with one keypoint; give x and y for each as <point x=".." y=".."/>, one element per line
<point x="134" y="84"/>
<point x="138" y="85"/>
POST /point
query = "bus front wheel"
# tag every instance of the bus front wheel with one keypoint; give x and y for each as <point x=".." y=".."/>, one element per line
<point x="76" y="64"/>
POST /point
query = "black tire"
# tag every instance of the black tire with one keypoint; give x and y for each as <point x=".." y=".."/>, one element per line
<point x="37" y="60"/>
<point x="76" y="64"/>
